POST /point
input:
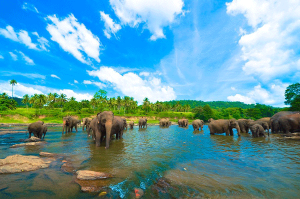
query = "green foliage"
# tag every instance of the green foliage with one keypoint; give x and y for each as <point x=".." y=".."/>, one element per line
<point x="72" y="105"/>
<point x="292" y="96"/>
<point x="6" y="103"/>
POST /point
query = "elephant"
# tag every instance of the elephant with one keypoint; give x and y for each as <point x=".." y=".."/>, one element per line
<point x="266" y="119"/>
<point x="69" y="123"/>
<point x="210" y="120"/>
<point x="118" y="127"/>
<point x="198" y="124"/>
<point x="275" y="128"/>
<point x="164" y="122"/>
<point x="103" y="126"/>
<point x="289" y="123"/>
<point x="183" y="122"/>
<point x="244" y="125"/>
<point x="125" y="123"/>
<point x="143" y="122"/>
<point x="223" y="126"/>
<point x="131" y="124"/>
<point x="257" y="130"/>
<point x="85" y="123"/>
<point x="265" y="125"/>
<point x="38" y="129"/>
<point x="92" y="128"/>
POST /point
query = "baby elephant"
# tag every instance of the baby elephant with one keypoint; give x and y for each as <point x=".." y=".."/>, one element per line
<point x="257" y="130"/>
<point x="38" y="129"/>
<point x="131" y="124"/>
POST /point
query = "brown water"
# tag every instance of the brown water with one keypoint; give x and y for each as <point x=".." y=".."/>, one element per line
<point x="196" y="163"/>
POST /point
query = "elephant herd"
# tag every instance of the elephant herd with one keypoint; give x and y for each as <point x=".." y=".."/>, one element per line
<point x="105" y="125"/>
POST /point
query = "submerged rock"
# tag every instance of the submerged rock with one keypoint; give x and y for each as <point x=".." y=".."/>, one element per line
<point x="67" y="167"/>
<point x="32" y="139"/>
<point x="21" y="163"/>
<point x="27" y="144"/>
<point x="46" y="154"/>
<point x="91" y="175"/>
<point x="93" y="185"/>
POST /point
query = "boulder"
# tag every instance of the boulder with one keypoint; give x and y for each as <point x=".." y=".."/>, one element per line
<point x="91" y="175"/>
<point x="27" y="144"/>
<point x="93" y="185"/>
<point x="21" y="163"/>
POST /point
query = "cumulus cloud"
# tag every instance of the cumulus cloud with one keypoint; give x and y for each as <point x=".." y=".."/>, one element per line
<point x="13" y="56"/>
<point x="269" y="50"/>
<point x="23" y="37"/>
<point x="154" y="14"/>
<point x="110" y="26"/>
<point x="273" y="95"/>
<point x="131" y="84"/>
<point x="99" y="84"/>
<point x="146" y="74"/>
<point x="75" y="81"/>
<point x="28" y="6"/>
<point x="55" y="76"/>
<point x="21" y="89"/>
<point x="26" y="58"/>
<point x="73" y="37"/>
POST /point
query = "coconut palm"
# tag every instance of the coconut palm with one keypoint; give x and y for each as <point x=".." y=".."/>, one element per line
<point x="26" y="100"/>
<point x="12" y="82"/>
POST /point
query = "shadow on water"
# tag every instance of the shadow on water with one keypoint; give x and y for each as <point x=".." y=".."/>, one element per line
<point x="196" y="163"/>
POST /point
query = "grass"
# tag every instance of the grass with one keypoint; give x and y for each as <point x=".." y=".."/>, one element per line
<point x="24" y="115"/>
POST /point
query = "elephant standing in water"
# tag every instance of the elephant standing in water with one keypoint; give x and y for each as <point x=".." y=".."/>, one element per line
<point x="38" y="129"/>
<point x="257" y="131"/>
<point x="244" y="125"/>
<point x="223" y="126"/>
<point x="92" y="128"/>
<point x="125" y="123"/>
<point x="131" y="124"/>
<point x="143" y="122"/>
<point x="198" y="124"/>
<point x="183" y="122"/>
<point x="165" y="122"/>
<point x="260" y="122"/>
<point x="289" y="123"/>
<point x="69" y="123"/>
<point x="86" y="123"/>
<point x="275" y="128"/>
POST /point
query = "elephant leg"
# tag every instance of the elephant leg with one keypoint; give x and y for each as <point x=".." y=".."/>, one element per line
<point x="231" y="132"/>
<point x="227" y="132"/>
<point x="98" y="138"/>
<point x="76" y="128"/>
<point x="29" y="134"/>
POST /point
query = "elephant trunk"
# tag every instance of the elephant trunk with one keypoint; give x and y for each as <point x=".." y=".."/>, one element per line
<point x="238" y="130"/>
<point x="108" y="127"/>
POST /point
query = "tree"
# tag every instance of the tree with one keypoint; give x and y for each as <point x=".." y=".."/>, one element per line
<point x="146" y="104"/>
<point x="12" y="82"/>
<point x="207" y="113"/>
<point x="26" y="100"/>
<point x="292" y="96"/>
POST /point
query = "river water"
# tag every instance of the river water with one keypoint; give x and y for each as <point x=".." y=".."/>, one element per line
<point x="197" y="164"/>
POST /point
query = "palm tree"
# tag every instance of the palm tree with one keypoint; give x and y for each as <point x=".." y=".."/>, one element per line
<point x="146" y="104"/>
<point x="41" y="100"/>
<point x="12" y="82"/>
<point x="126" y="102"/>
<point x="72" y="99"/>
<point x="26" y="100"/>
<point x="55" y="96"/>
<point x="62" y="99"/>
<point x="119" y="103"/>
<point x="4" y="95"/>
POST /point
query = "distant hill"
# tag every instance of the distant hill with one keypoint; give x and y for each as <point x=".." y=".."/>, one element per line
<point x="212" y="104"/>
<point x="18" y="100"/>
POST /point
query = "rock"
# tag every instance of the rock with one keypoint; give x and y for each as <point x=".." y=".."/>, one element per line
<point x="27" y="144"/>
<point x="32" y="139"/>
<point x="93" y="185"/>
<point x="91" y="175"/>
<point x="46" y="154"/>
<point x="21" y="163"/>
<point x="67" y="167"/>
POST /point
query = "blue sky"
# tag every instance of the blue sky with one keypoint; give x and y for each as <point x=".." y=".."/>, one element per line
<point x="232" y="50"/>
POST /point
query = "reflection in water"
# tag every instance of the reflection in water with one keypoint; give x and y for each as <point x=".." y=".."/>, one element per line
<point x="196" y="163"/>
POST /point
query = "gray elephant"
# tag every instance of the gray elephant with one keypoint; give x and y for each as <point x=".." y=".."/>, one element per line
<point x="244" y="125"/>
<point x="275" y="128"/>
<point x="257" y="130"/>
<point x="125" y="123"/>
<point x="143" y="122"/>
<point x="223" y="126"/>
<point x="91" y="130"/>
<point x="183" y="122"/>
<point x="164" y="122"/>
<point x="38" y="129"/>
<point x="262" y="123"/>
<point x="85" y="123"/>
<point x="289" y="123"/>
<point x="118" y="127"/>
<point x="69" y="123"/>
<point x="131" y="124"/>
<point x="197" y="124"/>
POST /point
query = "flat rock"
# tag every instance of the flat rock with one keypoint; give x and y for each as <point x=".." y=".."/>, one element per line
<point x="27" y="144"/>
<point x="91" y="175"/>
<point x="93" y="185"/>
<point x="32" y="139"/>
<point x="67" y="167"/>
<point x="21" y="163"/>
<point x="46" y="154"/>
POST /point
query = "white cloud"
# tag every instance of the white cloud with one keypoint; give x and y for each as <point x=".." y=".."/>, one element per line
<point x="13" y="56"/>
<point x="270" y="49"/>
<point x="73" y="37"/>
<point x="54" y="76"/>
<point x="28" y="75"/>
<point x="154" y="14"/>
<point x="1" y="57"/>
<point x="274" y="95"/>
<point x="110" y="26"/>
<point x="99" y="84"/>
<point x="233" y="88"/>
<point x="26" y="59"/>
<point x="241" y="98"/>
<point x="131" y="84"/>
<point x="75" y="81"/>
<point x="146" y="74"/>
<point x="21" y="89"/>
<point x="28" y="6"/>
<point x="23" y="37"/>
